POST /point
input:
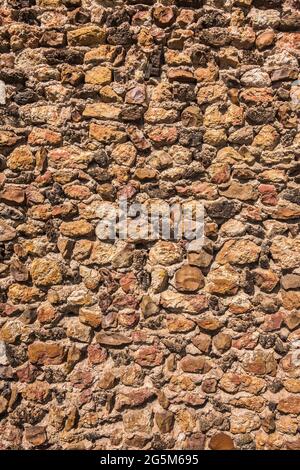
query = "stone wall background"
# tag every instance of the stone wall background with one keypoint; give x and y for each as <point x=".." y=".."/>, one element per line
<point x="145" y="345"/>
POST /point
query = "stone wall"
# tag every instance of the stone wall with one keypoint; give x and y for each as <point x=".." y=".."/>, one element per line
<point x="144" y="344"/>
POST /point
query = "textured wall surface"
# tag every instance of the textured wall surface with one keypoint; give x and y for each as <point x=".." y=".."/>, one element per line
<point x="147" y="345"/>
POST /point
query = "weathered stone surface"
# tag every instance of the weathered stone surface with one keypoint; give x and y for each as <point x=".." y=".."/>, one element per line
<point x="165" y="253"/>
<point x="36" y="435"/>
<point x="21" y="159"/>
<point x="116" y="341"/>
<point x="238" y="252"/>
<point x="176" y="302"/>
<point x="189" y="279"/>
<point x="286" y="251"/>
<point x="45" y="272"/>
<point x="112" y="340"/>
<point x="45" y="353"/>
<point x="78" y="228"/>
<point x="223" y="280"/>
<point x="7" y="232"/>
<point x="290" y="404"/>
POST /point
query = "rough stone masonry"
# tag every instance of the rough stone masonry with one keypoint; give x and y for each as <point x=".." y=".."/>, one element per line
<point x="126" y="345"/>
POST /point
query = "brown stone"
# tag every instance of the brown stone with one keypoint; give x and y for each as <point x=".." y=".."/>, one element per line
<point x="149" y="356"/>
<point x="106" y="134"/>
<point x="238" y="252"/>
<point x="261" y="363"/>
<point x="222" y="342"/>
<point x="45" y="272"/>
<point x="21" y="159"/>
<point x="86" y="36"/>
<point x="36" y="435"/>
<point x="189" y="279"/>
<point x="223" y="280"/>
<point x="133" y="398"/>
<point x="291" y="404"/>
<point x="78" y="228"/>
<point x="195" y="364"/>
<point x="179" y="324"/>
<point x="165" y="421"/>
<point x="45" y="353"/>
<point x="221" y="441"/>
<point x="112" y="339"/>
<point x="7" y="232"/>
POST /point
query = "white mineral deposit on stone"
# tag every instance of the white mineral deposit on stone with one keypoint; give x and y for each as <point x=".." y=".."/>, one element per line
<point x="2" y="92"/>
<point x="3" y="357"/>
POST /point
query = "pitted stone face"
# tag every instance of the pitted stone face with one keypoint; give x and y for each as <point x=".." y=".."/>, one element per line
<point x="126" y="128"/>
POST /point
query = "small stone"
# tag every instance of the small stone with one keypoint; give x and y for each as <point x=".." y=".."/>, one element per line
<point x="2" y="92"/>
<point x="148" y="306"/>
<point x="112" y="339"/>
<point x="101" y="111"/>
<point x="221" y="441"/>
<point x="45" y="272"/>
<point x="19" y="293"/>
<point x="209" y="322"/>
<point x="149" y="356"/>
<point x="242" y="192"/>
<point x="8" y="138"/>
<point x="78" y="331"/>
<point x="134" y="398"/>
<point x="255" y="78"/>
<point x="195" y="364"/>
<point x="107" y="380"/>
<point x="290" y="281"/>
<point x="78" y="228"/>
<point x="3" y="405"/>
<point x="267" y="138"/>
<point x="46" y="313"/>
<point x="222" y="342"/>
<point x="159" y="279"/>
<point x="6" y="231"/>
<point x="165" y="253"/>
<point x="11" y="331"/>
<point x="96" y="354"/>
<point x="244" y="421"/>
<point x="189" y="279"/>
<point x="90" y="316"/>
<point x="265" y="39"/>
<point x="163" y="15"/>
<point x="180" y="303"/>
<point x="291" y="404"/>
<point x="37" y="391"/>
<point x="137" y="421"/>
<point x="181" y="75"/>
<point x="98" y="76"/>
<point x="106" y="134"/>
<point x="124" y="154"/>
<point x="286" y="252"/>
<point x="44" y="137"/>
<point x="165" y="421"/>
<point x="223" y="280"/>
<point x="36" y="435"/>
<point x="238" y="252"/>
<point x="179" y="324"/>
<point x="21" y="159"/>
<point x="260" y="363"/>
<point x="45" y="353"/>
<point x="202" y="342"/>
<point x="201" y="259"/>
<point x="12" y="193"/>
<point x="266" y="279"/>
<point x="86" y="36"/>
